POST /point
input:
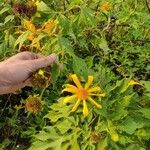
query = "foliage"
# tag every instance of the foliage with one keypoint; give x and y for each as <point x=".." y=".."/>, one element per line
<point x="109" y="40"/>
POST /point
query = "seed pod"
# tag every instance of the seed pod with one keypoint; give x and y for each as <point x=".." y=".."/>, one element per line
<point x="21" y="9"/>
<point x="41" y="78"/>
<point x="96" y="137"/>
<point x="25" y="48"/>
<point x="33" y="104"/>
<point x="30" y="9"/>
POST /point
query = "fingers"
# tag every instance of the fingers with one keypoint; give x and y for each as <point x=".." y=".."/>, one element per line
<point x="23" y="56"/>
<point x="27" y="56"/>
<point x="11" y="88"/>
<point x="42" y="62"/>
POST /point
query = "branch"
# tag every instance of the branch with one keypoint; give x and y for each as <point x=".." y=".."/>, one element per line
<point x="147" y="5"/>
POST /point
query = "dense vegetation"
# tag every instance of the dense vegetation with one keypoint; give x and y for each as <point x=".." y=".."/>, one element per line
<point x="104" y="42"/>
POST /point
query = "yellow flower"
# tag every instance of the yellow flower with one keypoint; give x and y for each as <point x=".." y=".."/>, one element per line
<point x="105" y="6"/>
<point x="82" y="94"/>
<point x="51" y="27"/>
<point x="29" y="26"/>
<point x="132" y="82"/>
<point x="41" y="72"/>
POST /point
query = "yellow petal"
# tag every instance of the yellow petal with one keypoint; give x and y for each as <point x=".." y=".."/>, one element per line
<point x="94" y="89"/>
<point x="76" y="80"/>
<point x="85" y="109"/>
<point x="41" y="72"/>
<point x="71" y="90"/>
<point x="95" y="103"/>
<point x="76" y="105"/>
<point x="89" y="82"/>
<point x="102" y="95"/>
<point x="31" y="37"/>
<point x="29" y="26"/>
<point x="132" y="82"/>
<point x="70" y="86"/>
<point x="38" y="46"/>
<point x="69" y="98"/>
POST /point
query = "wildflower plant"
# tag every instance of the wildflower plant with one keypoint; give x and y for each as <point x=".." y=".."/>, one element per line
<point x="100" y="98"/>
<point x="108" y="125"/>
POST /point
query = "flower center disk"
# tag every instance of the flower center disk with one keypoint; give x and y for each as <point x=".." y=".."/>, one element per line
<point x="82" y="94"/>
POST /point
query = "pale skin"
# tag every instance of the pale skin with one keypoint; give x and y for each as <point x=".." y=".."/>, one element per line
<point x="15" y="71"/>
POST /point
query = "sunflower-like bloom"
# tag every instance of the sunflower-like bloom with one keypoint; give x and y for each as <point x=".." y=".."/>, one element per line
<point x="51" y="27"/>
<point x="105" y="6"/>
<point x="82" y="94"/>
<point x="28" y="25"/>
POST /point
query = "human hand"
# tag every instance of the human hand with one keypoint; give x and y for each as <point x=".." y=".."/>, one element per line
<point x="15" y="71"/>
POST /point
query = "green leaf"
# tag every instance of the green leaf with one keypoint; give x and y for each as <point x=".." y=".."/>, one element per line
<point x="59" y="110"/>
<point x="80" y="67"/>
<point x="65" y="24"/>
<point x="55" y="145"/>
<point x="41" y="6"/>
<point x="86" y="17"/>
<point x="145" y="112"/>
<point x="127" y="99"/>
<point x="4" y="10"/>
<point x="43" y="136"/>
<point x="103" y="45"/>
<point x="75" y="145"/>
<point x="9" y="18"/>
<point x="143" y="133"/>
<point x="55" y="72"/>
<point x="102" y="144"/>
<point x="146" y="84"/>
<point x="21" y="39"/>
<point x="65" y="44"/>
<point x="72" y="4"/>
<point x="64" y="126"/>
<point x="89" y="61"/>
<point x="130" y="126"/>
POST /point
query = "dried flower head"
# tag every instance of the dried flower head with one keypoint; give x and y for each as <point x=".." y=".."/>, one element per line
<point x="33" y="104"/>
<point x="25" y="48"/>
<point x="19" y="9"/>
<point x="96" y="137"/>
<point x="31" y="9"/>
<point x="41" y="78"/>
<point x="22" y="9"/>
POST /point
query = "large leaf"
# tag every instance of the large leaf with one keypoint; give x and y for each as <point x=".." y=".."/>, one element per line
<point x="4" y="10"/>
<point x="130" y="126"/>
<point x="145" y="112"/>
<point x="80" y="67"/>
<point x="21" y="39"/>
<point x="9" y="18"/>
<point x="65" y="45"/>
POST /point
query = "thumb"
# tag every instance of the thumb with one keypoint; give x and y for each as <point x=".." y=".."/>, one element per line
<point x="42" y="62"/>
